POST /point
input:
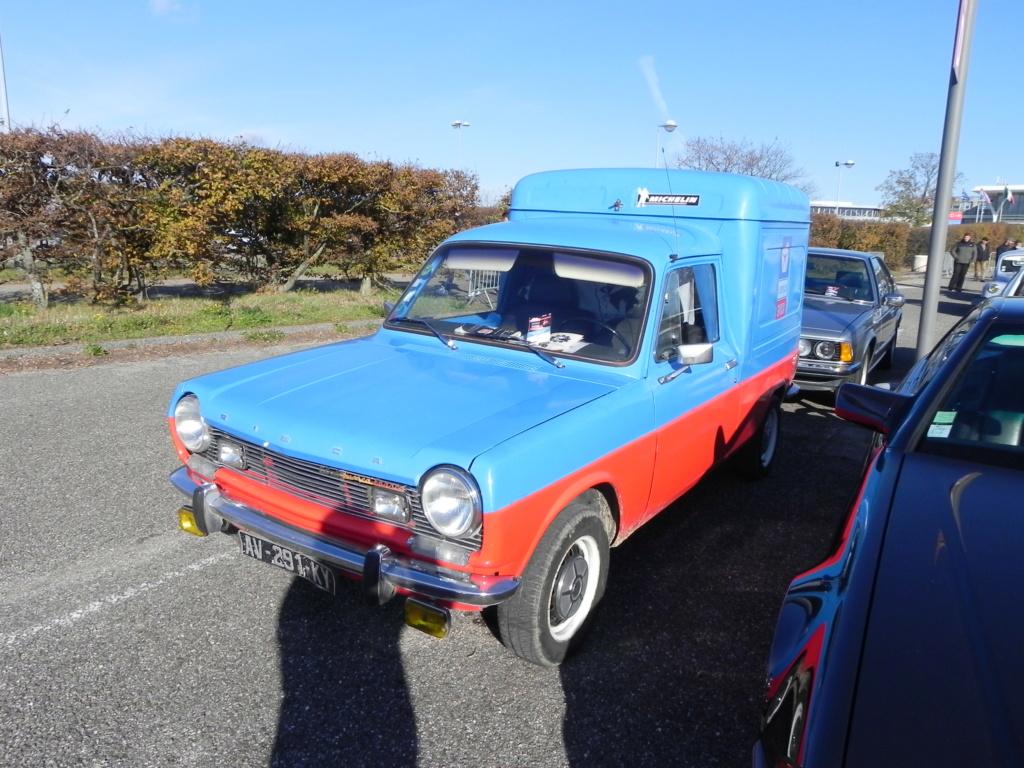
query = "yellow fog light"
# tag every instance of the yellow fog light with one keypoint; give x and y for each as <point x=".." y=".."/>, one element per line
<point x="432" y="619"/>
<point x="187" y="522"/>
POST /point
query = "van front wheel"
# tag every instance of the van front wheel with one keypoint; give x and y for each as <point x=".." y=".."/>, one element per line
<point x="564" y="581"/>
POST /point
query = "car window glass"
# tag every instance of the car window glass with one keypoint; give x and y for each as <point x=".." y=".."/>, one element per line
<point x="689" y="312"/>
<point x="886" y="284"/>
<point x="837" y="277"/>
<point x="981" y="416"/>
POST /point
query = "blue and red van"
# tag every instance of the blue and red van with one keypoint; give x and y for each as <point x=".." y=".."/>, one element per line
<point x="543" y="387"/>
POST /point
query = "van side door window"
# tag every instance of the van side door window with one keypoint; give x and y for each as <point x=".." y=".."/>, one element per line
<point x="689" y="310"/>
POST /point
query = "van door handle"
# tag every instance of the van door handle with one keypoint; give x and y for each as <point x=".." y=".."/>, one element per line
<point x="730" y="364"/>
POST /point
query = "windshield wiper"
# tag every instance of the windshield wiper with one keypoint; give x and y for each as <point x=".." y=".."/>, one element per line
<point x="503" y="335"/>
<point x="430" y="327"/>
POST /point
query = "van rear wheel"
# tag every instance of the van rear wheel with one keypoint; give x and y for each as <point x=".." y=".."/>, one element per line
<point x="754" y="460"/>
<point x="553" y="608"/>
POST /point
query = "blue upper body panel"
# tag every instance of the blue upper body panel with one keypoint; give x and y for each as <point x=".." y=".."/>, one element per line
<point x="650" y="194"/>
<point x="653" y="241"/>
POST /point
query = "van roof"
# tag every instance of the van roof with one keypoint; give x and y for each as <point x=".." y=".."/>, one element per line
<point x="651" y="240"/>
<point x="653" y="193"/>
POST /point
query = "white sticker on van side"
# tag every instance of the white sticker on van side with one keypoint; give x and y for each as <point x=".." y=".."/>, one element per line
<point x="645" y="197"/>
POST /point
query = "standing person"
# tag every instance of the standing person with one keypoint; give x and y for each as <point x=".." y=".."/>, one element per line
<point x="981" y="260"/>
<point x="963" y="254"/>
<point x="1006" y="246"/>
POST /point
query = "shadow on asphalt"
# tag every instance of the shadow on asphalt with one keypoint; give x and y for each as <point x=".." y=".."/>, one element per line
<point x="345" y="700"/>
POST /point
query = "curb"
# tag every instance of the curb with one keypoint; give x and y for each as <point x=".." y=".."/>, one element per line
<point x="168" y="340"/>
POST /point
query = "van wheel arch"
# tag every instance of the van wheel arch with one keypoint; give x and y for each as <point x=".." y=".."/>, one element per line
<point x="563" y="583"/>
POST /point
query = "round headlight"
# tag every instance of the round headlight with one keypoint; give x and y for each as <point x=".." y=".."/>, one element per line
<point x="451" y="501"/>
<point x="805" y="347"/>
<point x="826" y="350"/>
<point x="189" y="425"/>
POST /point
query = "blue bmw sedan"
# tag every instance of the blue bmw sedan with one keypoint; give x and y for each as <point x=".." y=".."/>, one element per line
<point x="906" y="646"/>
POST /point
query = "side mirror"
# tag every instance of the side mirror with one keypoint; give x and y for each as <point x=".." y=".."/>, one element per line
<point x="878" y="409"/>
<point x="388" y="307"/>
<point x="896" y="300"/>
<point x="695" y="354"/>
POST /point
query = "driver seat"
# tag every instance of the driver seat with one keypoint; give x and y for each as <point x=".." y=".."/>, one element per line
<point x="550" y="294"/>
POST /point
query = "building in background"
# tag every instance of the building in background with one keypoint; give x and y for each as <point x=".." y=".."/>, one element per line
<point x="848" y="210"/>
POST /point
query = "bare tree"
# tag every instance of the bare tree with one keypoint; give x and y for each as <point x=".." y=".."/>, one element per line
<point x="768" y="160"/>
<point x="909" y="194"/>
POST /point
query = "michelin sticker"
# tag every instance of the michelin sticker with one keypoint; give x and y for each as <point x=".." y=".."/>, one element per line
<point x="644" y="197"/>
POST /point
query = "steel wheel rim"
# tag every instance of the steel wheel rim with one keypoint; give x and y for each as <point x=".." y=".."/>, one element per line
<point x="573" y="588"/>
<point x="771" y="437"/>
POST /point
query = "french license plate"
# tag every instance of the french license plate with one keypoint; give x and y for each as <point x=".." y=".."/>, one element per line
<point x="265" y="551"/>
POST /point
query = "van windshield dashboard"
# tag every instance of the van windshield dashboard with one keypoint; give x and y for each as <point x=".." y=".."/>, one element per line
<point x="562" y="303"/>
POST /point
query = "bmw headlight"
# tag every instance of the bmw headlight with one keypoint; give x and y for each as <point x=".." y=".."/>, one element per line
<point x="189" y="424"/>
<point x="451" y="501"/>
<point x="825" y="350"/>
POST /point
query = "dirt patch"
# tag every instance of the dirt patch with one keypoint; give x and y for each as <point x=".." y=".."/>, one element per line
<point x="65" y="359"/>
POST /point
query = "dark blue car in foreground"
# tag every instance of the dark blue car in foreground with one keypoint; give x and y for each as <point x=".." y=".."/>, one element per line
<point x="906" y="646"/>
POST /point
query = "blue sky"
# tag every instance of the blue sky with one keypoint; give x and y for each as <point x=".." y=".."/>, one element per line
<point x="543" y="85"/>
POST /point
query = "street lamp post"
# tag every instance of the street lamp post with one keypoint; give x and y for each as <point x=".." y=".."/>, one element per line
<point x="458" y="125"/>
<point x="840" y="165"/>
<point x="5" y="114"/>
<point x="669" y="126"/>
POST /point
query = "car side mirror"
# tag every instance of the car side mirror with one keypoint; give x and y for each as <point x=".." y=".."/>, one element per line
<point x="878" y="409"/>
<point x="896" y="300"/>
<point x="695" y="354"/>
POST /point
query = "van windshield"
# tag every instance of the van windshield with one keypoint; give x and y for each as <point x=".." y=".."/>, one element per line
<point x="567" y="303"/>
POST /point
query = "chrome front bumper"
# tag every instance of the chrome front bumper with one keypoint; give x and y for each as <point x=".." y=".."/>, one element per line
<point x="824" y="376"/>
<point x="381" y="571"/>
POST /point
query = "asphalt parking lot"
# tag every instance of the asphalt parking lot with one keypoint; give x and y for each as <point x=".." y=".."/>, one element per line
<point x="125" y="642"/>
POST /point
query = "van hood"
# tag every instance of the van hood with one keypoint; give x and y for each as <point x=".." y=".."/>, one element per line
<point x="391" y="410"/>
<point x="830" y="316"/>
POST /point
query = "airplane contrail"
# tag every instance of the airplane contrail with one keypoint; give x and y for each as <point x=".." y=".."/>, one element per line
<point x="650" y="73"/>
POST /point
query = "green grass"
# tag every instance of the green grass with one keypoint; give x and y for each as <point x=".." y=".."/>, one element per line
<point x="24" y="325"/>
<point x="263" y="336"/>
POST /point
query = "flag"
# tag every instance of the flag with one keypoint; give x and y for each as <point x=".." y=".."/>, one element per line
<point x="984" y="195"/>
<point x="1009" y="195"/>
<point x="964" y="196"/>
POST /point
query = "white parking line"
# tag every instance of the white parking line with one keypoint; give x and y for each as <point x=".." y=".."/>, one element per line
<point x="109" y="601"/>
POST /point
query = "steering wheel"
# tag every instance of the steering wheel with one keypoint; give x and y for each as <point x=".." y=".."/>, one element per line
<point x="599" y="324"/>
